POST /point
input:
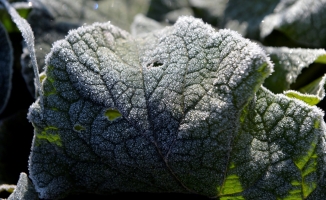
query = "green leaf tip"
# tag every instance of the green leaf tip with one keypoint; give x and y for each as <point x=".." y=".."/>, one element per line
<point x="112" y="114"/>
<point x="315" y="88"/>
<point x="7" y="188"/>
<point x="321" y="59"/>
<point x="307" y="98"/>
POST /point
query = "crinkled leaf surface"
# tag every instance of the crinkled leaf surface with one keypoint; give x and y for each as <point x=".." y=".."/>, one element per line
<point x="156" y="113"/>
<point x="6" y="59"/>
<point x="302" y="20"/>
<point x="288" y="64"/>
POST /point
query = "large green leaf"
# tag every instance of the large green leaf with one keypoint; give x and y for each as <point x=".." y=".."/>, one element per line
<point x="154" y="113"/>
<point x="316" y="88"/>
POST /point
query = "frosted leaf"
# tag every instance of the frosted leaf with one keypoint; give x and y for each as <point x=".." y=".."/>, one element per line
<point x="177" y="110"/>
<point x="24" y="190"/>
<point x="28" y="36"/>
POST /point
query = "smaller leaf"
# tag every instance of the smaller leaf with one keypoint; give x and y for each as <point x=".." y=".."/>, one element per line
<point x="28" y="36"/>
<point x="307" y="98"/>
<point x="7" y="188"/>
<point x="312" y="93"/>
<point x="289" y="63"/>
<point x="321" y="59"/>
<point x="25" y="189"/>
<point x="23" y="8"/>
<point x="315" y="88"/>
